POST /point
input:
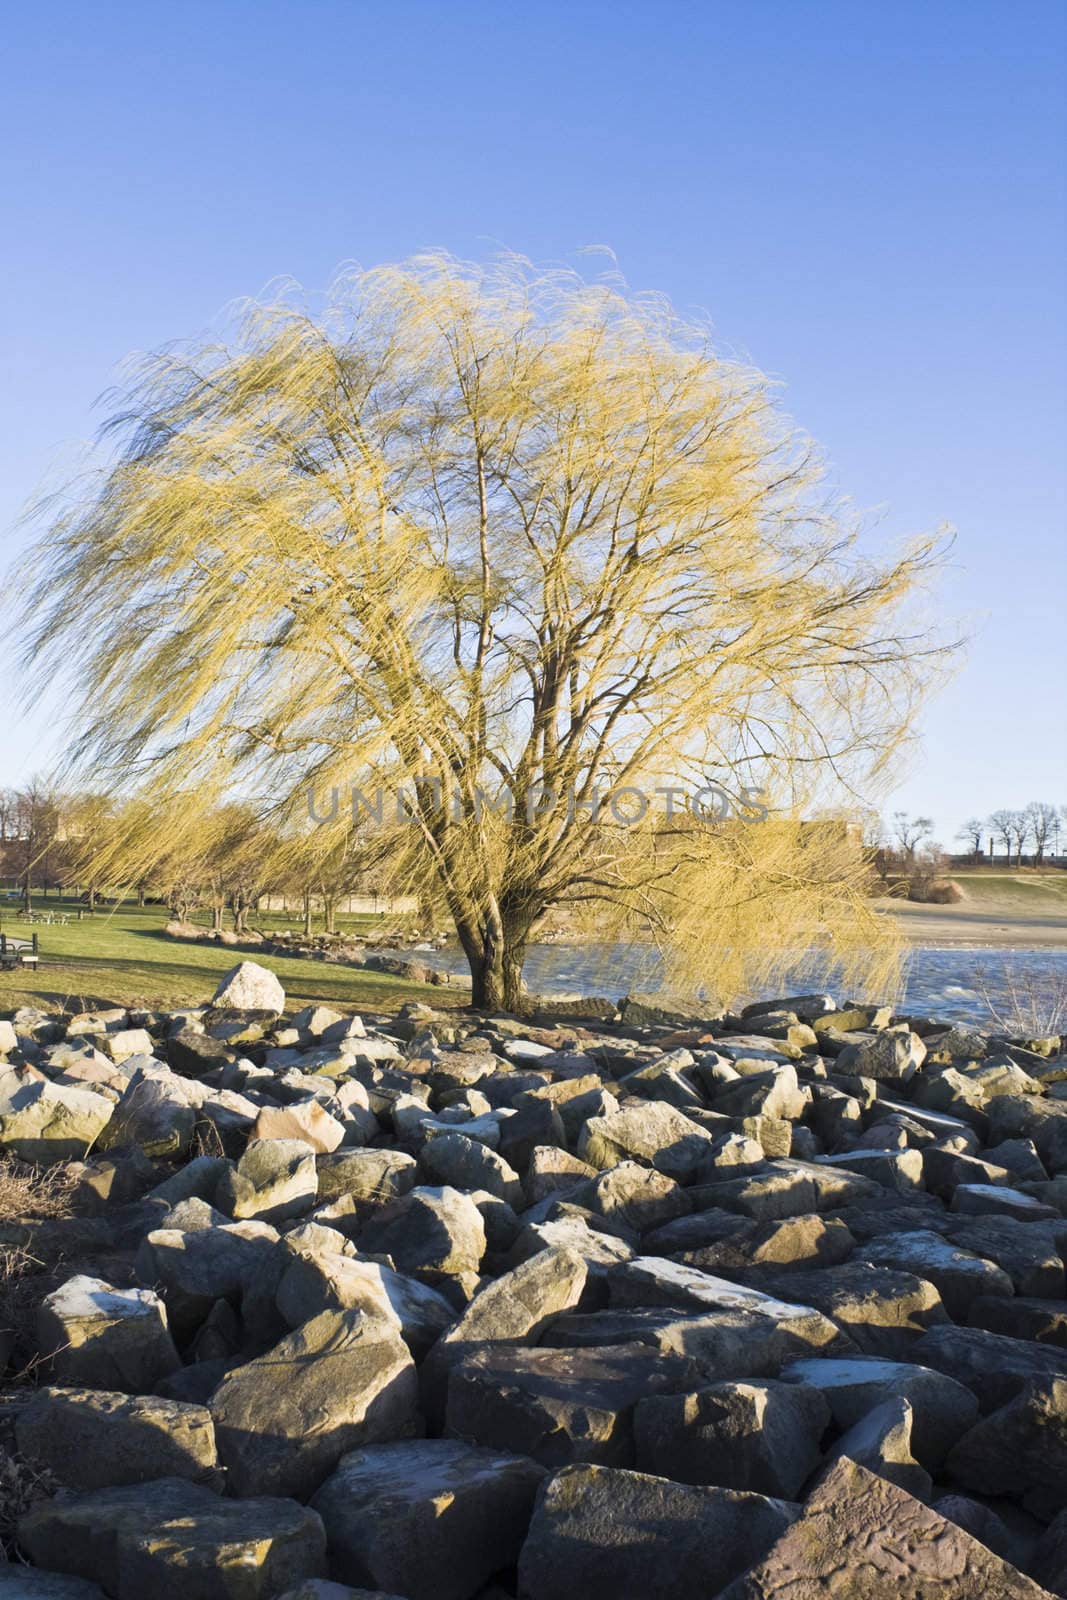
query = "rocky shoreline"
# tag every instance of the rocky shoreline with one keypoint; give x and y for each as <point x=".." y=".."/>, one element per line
<point x="627" y="1304"/>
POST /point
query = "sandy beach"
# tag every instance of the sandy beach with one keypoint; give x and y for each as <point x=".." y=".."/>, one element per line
<point x="966" y="925"/>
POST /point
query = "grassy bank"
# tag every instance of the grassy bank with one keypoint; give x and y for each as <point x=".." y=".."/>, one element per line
<point x="121" y="956"/>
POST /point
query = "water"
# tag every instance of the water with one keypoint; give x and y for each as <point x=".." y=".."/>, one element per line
<point x="979" y="987"/>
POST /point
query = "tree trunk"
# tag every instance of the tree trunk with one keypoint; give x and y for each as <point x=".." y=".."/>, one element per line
<point x="307" y="914"/>
<point x="495" y="958"/>
<point x="329" y="913"/>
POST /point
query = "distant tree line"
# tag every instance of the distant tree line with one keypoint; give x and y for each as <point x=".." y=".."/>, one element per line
<point x="80" y="843"/>
<point x="1029" y="835"/>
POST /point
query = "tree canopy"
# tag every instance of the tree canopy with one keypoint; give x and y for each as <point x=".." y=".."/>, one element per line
<point x="495" y="537"/>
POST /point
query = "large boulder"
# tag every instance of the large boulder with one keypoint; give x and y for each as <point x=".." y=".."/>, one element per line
<point x="860" y="1537"/>
<point x="515" y="1309"/>
<point x="607" y="1534"/>
<point x="881" y="1442"/>
<point x="429" y="1232"/>
<point x="1020" y="1450"/>
<point x="156" y="1115"/>
<point x="175" y="1541"/>
<point x="557" y="1405"/>
<point x="370" y="1177"/>
<point x="431" y="1519"/>
<point x="274" y="1181"/>
<point x="93" y="1438"/>
<point x="48" y="1122"/>
<point x="895" y="1054"/>
<point x="958" y="1275"/>
<point x="884" y="1312"/>
<point x="653" y="1133"/>
<point x="195" y="1267"/>
<point x="739" y="1435"/>
<point x="994" y="1366"/>
<point x="283" y="1421"/>
<point x="942" y="1409"/>
<point x="100" y="1337"/>
<point x="250" y="987"/>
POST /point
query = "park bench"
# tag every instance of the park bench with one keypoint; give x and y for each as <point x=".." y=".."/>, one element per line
<point x="17" y="952"/>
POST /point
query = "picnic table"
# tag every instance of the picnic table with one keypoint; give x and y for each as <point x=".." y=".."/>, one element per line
<point x="17" y="952"/>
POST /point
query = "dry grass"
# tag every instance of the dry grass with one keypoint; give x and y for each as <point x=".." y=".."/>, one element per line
<point x="27" y="1194"/>
<point x="30" y="1192"/>
<point x="1032" y="1007"/>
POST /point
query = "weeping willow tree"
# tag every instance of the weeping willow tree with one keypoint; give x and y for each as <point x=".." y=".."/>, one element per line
<point x="491" y="546"/>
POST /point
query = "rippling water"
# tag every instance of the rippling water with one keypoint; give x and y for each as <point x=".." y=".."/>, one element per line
<point x="982" y="986"/>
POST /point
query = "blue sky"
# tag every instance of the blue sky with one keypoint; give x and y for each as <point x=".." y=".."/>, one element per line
<point x="867" y="199"/>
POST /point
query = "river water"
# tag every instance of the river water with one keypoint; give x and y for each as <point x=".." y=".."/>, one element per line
<point x="1023" y="990"/>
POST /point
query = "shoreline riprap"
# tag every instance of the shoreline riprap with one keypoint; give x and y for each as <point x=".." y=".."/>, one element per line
<point x="609" y="1303"/>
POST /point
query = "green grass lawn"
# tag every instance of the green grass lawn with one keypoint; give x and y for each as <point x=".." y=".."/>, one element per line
<point x="1022" y="889"/>
<point x="122" y="957"/>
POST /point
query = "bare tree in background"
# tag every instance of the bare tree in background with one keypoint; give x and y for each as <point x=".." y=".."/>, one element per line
<point x="909" y="832"/>
<point x="973" y="832"/>
<point x="1042" y="819"/>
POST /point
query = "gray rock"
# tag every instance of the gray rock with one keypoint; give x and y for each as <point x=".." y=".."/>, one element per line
<point x="19" y="1582"/>
<point x="638" y="1197"/>
<point x="1031" y="1253"/>
<point x="274" y="1181"/>
<point x="653" y="1133"/>
<point x="316" y="1281"/>
<point x="156" y="1115"/>
<point x="558" y="1406"/>
<point x="797" y="1242"/>
<point x="1020" y="1450"/>
<point x="985" y="1525"/>
<point x="942" y="1409"/>
<point x="430" y="1231"/>
<point x="93" y="1438"/>
<point x="249" y="987"/>
<point x="958" y="1276"/>
<point x="895" y="1053"/>
<point x="1044" y="1321"/>
<point x="450" y="1158"/>
<point x="860" y="1537"/>
<point x="371" y="1177"/>
<point x="883" y="1311"/>
<point x="1050" y="1557"/>
<point x="607" y="1534"/>
<point x="100" y="1337"/>
<point x="898" y="1170"/>
<point x="881" y="1442"/>
<point x="193" y="1269"/>
<point x="987" y="1199"/>
<point x="174" y="1541"/>
<point x="758" y="1436"/>
<point x="993" y="1366"/>
<point x="48" y="1122"/>
<point x="194" y="1054"/>
<point x="342" y="1380"/>
<point x="515" y="1309"/>
<point x="431" y="1519"/>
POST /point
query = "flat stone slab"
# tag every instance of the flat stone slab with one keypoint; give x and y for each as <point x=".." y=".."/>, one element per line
<point x="557" y="1405"/>
<point x="861" y="1537"/>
